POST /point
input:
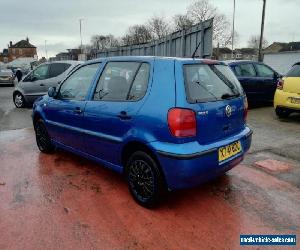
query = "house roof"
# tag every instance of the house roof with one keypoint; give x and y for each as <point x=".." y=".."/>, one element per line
<point x="250" y="51"/>
<point x="63" y="54"/>
<point x="23" y="44"/>
<point x="224" y="50"/>
<point x="291" y="46"/>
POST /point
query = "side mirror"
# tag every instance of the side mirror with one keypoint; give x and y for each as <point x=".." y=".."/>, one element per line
<point x="33" y="78"/>
<point x="52" y="92"/>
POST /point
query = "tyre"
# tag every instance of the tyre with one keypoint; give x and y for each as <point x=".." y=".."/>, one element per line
<point x="19" y="100"/>
<point x="145" y="179"/>
<point x="282" y="113"/>
<point x="43" y="140"/>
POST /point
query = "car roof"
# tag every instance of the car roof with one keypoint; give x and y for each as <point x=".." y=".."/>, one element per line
<point x="152" y="58"/>
<point x="236" y="62"/>
<point x="72" y="62"/>
<point x="68" y="61"/>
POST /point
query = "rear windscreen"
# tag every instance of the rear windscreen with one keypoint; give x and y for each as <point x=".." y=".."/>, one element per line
<point x="210" y="82"/>
<point x="294" y="72"/>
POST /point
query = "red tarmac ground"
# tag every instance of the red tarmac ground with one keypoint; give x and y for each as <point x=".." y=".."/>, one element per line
<point x="62" y="201"/>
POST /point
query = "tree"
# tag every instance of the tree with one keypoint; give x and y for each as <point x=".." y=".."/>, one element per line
<point x="158" y="27"/>
<point x="253" y="42"/>
<point x="202" y="10"/>
<point x="181" y="22"/>
<point x="137" y="34"/>
<point x="101" y="42"/>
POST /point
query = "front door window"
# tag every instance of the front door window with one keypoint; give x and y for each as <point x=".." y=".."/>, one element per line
<point x="77" y="85"/>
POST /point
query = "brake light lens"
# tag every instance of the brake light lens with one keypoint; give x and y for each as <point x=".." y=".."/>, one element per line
<point x="245" y="108"/>
<point x="182" y="122"/>
<point x="280" y="84"/>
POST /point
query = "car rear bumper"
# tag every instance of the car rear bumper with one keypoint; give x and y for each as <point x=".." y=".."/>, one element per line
<point x="282" y="99"/>
<point x="201" y="164"/>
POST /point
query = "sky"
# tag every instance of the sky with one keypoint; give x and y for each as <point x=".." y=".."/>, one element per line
<point x="57" y="21"/>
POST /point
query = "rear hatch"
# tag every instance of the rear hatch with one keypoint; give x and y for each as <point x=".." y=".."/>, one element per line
<point x="216" y="96"/>
<point x="292" y="80"/>
<point x="292" y="85"/>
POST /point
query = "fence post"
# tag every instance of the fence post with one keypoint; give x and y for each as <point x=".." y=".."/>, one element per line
<point x="202" y="40"/>
<point x="170" y="46"/>
<point x="182" y="43"/>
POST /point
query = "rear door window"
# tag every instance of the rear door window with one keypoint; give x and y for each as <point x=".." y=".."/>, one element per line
<point x="58" y="68"/>
<point x="294" y="71"/>
<point x="210" y="83"/>
<point x="245" y="70"/>
<point x="121" y="81"/>
<point x="140" y="83"/>
<point x="264" y="71"/>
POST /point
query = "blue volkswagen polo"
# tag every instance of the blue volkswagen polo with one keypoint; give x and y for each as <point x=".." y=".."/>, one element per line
<point x="166" y="123"/>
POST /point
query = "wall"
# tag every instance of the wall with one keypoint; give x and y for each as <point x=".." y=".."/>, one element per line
<point x="282" y="61"/>
<point x="21" y="52"/>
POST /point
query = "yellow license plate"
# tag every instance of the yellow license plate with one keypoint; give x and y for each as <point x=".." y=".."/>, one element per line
<point x="229" y="150"/>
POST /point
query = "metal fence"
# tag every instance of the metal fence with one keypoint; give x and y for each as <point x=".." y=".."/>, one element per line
<point x="182" y="43"/>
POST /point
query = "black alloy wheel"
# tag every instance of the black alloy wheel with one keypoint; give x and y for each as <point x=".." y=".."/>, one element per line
<point x="43" y="140"/>
<point x="145" y="180"/>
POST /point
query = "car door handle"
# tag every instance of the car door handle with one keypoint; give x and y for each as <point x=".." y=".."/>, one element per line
<point x="42" y="84"/>
<point x="123" y="115"/>
<point x="77" y="110"/>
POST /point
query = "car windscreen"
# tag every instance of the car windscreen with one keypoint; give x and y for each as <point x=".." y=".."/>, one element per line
<point x="210" y="82"/>
<point x="294" y="71"/>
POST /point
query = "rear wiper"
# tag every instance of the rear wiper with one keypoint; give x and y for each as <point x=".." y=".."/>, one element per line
<point x="229" y="96"/>
<point x="202" y="86"/>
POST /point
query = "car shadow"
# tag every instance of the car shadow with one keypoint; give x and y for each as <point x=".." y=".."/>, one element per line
<point x="259" y="104"/>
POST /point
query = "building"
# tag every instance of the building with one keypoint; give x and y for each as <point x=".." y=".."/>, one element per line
<point x="20" y="49"/>
<point x="238" y="54"/>
<point x="282" y="61"/>
<point x="282" y="47"/>
<point x="4" y="56"/>
<point x="72" y="54"/>
<point x="282" y="56"/>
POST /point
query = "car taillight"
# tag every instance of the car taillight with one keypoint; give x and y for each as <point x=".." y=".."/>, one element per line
<point x="182" y="122"/>
<point x="280" y="84"/>
<point x="245" y="108"/>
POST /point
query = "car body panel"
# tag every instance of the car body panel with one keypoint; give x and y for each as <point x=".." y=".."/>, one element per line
<point x="289" y="96"/>
<point x="192" y="163"/>
<point x="102" y="136"/>
<point x="291" y="84"/>
<point x="257" y="88"/>
<point x="6" y="76"/>
<point x="31" y="90"/>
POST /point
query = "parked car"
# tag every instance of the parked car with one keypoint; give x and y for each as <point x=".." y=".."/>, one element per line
<point x="287" y="96"/>
<point x="38" y="81"/>
<point x="6" y="76"/>
<point x="258" y="79"/>
<point x="166" y="123"/>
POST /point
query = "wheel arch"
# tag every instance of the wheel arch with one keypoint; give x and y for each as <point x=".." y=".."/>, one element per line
<point x="134" y="146"/>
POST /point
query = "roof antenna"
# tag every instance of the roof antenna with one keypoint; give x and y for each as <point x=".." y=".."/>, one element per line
<point x="194" y="54"/>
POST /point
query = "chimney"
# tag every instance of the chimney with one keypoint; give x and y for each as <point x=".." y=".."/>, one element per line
<point x="10" y="44"/>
